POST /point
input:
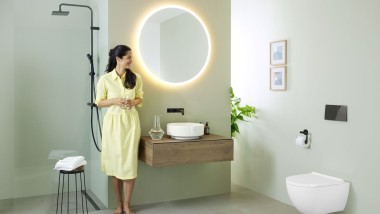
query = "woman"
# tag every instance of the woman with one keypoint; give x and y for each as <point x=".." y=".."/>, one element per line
<point x="120" y="89"/>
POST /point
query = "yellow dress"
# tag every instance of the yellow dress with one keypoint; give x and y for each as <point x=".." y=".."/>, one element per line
<point x="121" y="127"/>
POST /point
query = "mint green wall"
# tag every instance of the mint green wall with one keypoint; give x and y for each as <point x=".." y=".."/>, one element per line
<point x="47" y="88"/>
<point x="99" y="180"/>
<point x="206" y="99"/>
<point x="333" y="59"/>
<point x="51" y="89"/>
<point x="6" y="97"/>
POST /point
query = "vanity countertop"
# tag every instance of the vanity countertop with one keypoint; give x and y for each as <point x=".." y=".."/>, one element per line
<point x="169" y="151"/>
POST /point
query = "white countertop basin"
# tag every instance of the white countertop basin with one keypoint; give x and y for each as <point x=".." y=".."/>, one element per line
<point x="186" y="130"/>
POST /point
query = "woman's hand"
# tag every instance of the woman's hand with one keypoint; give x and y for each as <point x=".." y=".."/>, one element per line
<point x="129" y="103"/>
<point x="121" y="102"/>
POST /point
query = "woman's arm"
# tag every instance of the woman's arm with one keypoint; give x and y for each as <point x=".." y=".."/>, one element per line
<point x="110" y="102"/>
<point x="134" y="102"/>
<point x="122" y="102"/>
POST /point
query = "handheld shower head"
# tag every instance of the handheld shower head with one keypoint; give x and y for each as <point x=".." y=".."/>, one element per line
<point x="60" y="13"/>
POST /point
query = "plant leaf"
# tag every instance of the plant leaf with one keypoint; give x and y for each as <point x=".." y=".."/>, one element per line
<point x="238" y="112"/>
<point x="235" y="127"/>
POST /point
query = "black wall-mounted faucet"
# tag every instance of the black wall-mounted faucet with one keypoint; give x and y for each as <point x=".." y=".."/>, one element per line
<point x="176" y="110"/>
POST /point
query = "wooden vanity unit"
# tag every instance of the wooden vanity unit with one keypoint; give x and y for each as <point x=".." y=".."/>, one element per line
<point x="168" y="151"/>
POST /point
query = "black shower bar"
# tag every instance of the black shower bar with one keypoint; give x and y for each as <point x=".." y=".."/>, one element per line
<point x="90" y="58"/>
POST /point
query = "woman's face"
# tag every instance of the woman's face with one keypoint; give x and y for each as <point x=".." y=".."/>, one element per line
<point x="126" y="61"/>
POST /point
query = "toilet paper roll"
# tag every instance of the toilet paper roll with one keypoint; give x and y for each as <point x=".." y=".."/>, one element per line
<point x="301" y="141"/>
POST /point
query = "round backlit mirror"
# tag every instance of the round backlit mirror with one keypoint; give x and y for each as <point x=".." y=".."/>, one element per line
<point x="174" y="45"/>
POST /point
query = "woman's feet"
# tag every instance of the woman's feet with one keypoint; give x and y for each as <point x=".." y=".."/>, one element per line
<point x="118" y="210"/>
<point x="128" y="210"/>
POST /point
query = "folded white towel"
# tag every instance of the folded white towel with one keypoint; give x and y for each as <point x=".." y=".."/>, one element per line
<point x="72" y="159"/>
<point x="69" y="167"/>
<point x="70" y="163"/>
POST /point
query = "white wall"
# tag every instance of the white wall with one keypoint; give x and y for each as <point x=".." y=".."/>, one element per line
<point x="332" y="59"/>
<point x="204" y="100"/>
<point x="6" y="97"/>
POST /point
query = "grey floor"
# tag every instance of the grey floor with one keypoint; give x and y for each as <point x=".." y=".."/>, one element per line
<point x="46" y="204"/>
<point x="239" y="201"/>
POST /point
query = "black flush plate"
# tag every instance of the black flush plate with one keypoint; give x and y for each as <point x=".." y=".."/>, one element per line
<point x="336" y="112"/>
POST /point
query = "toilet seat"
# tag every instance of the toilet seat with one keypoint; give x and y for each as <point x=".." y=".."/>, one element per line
<point x="313" y="180"/>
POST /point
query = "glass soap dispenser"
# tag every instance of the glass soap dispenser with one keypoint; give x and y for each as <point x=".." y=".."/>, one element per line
<point x="156" y="133"/>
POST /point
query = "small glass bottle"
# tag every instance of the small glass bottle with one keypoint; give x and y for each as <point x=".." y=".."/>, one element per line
<point x="207" y="129"/>
<point x="156" y="133"/>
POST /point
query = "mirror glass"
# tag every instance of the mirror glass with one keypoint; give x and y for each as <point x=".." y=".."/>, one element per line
<point x="174" y="45"/>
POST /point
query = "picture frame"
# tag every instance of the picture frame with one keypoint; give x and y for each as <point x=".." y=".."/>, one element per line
<point x="278" y="55"/>
<point x="278" y="78"/>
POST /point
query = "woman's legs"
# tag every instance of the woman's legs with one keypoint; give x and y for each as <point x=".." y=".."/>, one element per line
<point x="128" y="189"/>
<point x="118" y="185"/>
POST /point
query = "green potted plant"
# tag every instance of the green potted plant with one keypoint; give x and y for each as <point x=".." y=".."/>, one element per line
<point x="238" y="112"/>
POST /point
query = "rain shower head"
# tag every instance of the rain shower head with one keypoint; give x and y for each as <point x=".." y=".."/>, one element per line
<point x="60" y="13"/>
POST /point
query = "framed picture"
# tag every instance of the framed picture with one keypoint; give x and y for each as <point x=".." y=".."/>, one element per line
<point x="278" y="78"/>
<point x="278" y="53"/>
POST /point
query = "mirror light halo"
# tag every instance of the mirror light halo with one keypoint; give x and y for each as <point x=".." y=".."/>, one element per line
<point x="140" y="55"/>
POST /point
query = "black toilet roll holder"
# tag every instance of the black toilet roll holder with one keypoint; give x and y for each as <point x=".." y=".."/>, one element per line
<point x="305" y="132"/>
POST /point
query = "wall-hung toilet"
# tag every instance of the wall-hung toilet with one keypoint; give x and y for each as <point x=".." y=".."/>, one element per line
<point x="315" y="193"/>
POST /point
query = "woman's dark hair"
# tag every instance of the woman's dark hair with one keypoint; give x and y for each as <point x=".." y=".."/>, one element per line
<point x="120" y="51"/>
